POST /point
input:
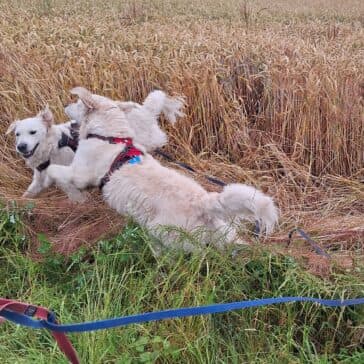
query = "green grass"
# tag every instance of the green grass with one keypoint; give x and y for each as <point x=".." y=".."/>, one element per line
<point x="121" y="277"/>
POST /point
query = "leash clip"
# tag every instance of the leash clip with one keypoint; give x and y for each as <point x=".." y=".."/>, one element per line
<point x="30" y="310"/>
<point x="51" y="317"/>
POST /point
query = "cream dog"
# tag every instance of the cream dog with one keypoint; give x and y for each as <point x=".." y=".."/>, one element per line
<point x="143" y="119"/>
<point x="136" y="184"/>
<point x="40" y="142"/>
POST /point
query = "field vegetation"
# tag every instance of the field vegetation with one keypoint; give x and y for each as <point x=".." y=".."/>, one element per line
<point x="274" y="97"/>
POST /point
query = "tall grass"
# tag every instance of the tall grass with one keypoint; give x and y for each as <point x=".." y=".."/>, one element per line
<point x="297" y="85"/>
<point x="121" y="277"/>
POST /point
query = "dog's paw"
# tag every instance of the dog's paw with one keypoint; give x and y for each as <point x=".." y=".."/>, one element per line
<point x="28" y="194"/>
<point x="48" y="182"/>
<point x="80" y="197"/>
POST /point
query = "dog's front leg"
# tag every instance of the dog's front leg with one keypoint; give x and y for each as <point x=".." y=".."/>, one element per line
<point x="63" y="176"/>
<point x="36" y="186"/>
<point x="47" y="180"/>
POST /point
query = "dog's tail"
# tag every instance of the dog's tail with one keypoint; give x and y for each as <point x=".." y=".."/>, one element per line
<point x="158" y="102"/>
<point x="244" y="202"/>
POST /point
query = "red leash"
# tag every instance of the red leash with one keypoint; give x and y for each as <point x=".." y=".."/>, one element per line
<point x="41" y="313"/>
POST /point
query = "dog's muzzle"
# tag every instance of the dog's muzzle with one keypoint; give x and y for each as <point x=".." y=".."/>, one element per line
<point x="22" y="150"/>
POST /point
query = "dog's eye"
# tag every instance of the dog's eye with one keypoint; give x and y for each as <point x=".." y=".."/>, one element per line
<point x="32" y="132"/>
<point x="17" y="134"/>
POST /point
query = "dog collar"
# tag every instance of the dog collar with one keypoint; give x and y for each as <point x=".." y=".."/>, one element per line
<point x="43" y="165"/>
<point x="112" y="140"/>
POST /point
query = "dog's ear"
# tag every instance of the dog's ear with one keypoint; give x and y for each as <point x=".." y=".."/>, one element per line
<point x="11" y="127"/>
<point x="127" y="106"/>
<point x="86" y="97"/>
<point x="47" y="116"/>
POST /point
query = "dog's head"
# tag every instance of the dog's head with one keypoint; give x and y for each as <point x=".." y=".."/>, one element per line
<point x="31" y="132"/>
<point x="97" y="114"/>
<point x="86" y="103"/>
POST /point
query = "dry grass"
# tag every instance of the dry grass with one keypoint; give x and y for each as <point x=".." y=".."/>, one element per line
<point x="274" y="95"/>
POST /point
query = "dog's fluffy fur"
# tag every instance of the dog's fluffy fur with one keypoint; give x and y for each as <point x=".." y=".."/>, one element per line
<point x="149" y="192"/>
<point x="37" y="142"/>
<point x="143" y="119"/>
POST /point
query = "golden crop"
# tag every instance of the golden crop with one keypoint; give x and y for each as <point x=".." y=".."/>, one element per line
<point x="274" y="95"/>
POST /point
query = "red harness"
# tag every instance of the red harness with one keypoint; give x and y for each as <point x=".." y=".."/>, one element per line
<point x="41" y="313"/>
<point x="126" y="155"/>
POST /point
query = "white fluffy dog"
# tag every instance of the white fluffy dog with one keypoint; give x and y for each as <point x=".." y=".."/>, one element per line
<point x="143" y="119"/>
<point x="38" y="142"/>
<point x="41" y="143"/>
<point x="139" y="186"/>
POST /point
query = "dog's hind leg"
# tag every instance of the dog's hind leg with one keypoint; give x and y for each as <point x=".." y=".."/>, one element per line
<point x="225" y="234"/>
<point x="238" y="201"/>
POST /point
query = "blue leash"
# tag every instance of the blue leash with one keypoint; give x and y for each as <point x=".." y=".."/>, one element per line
<point x="167" y="314"/>
<point x="312" y="242"/>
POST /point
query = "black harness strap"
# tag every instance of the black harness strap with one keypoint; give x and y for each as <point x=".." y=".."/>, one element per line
<point x="66" y="141"/>
<point x="101" y="137"/>
<point x="72" y="141"/>
<point x="43" y="165"/>
<point x="189" y="168"/>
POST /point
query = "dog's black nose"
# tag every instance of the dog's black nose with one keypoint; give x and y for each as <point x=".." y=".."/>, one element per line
<point x="22" y="147"/>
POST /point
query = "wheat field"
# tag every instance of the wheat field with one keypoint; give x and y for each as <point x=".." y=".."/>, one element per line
<point x="274" y="98"/>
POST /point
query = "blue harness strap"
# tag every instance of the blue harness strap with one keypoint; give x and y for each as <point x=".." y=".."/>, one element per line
<point x="168" y="314"/>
